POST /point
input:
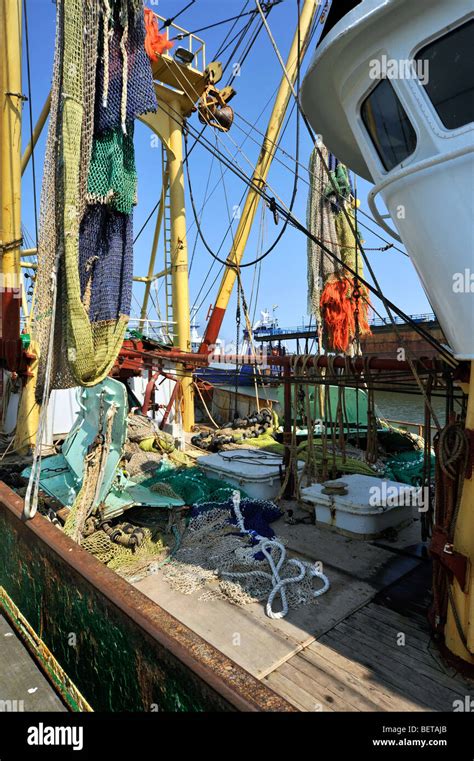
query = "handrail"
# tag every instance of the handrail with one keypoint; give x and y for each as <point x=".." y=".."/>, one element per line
<point x="419" y="426"/>
<point x="201" y="50"/>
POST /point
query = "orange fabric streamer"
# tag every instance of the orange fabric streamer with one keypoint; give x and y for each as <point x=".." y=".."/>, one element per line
<point x="338" y="307"/>
<point x="155" y="43"/>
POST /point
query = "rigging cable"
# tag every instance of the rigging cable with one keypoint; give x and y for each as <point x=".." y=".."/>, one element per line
<point x="245" y="30"/>
<point x="254" y="13"/>
<point x="169" y="21"/>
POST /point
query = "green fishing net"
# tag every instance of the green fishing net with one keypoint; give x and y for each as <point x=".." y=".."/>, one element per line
<point x="192" y="485"/>
<point x="407" y="467"/>
<point x="112" y="173"/>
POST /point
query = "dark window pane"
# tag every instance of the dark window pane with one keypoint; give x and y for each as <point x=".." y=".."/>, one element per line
<point x="450" y="75"/>
<point x="388" y="125"/>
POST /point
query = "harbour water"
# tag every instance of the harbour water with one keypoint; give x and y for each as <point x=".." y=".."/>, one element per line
<point x="406" y="407"/>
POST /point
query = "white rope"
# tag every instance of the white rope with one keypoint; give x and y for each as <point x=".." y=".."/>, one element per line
<point x="266" y="546"/>
<point x="31" y="497"/>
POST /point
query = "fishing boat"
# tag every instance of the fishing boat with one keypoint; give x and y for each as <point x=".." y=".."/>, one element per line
<point x="186" y="527"/>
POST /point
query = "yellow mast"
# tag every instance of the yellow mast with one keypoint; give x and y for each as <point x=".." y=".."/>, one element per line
<point x="11" y="101"/>
<point x="178" y="88"/>
<point x="300" y="40"/>
<point x="464" y="544"/>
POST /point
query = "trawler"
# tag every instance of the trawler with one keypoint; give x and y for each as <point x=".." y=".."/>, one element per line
<point x="173" y="543"/>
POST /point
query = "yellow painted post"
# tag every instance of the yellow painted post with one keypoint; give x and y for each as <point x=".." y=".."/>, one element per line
<point x="464" y="543"/>
<point x="11" y="102"/>
<point x="179" y="260"/>
<point x="28" y="410"/>
<point x="247" y="215"/>
<point x="36" y="133"/>
<point x="154" y="247"/>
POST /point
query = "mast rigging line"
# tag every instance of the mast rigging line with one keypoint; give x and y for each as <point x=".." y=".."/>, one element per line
<point x="295" y="186"/>
<point x="284" y="213"/>
<point x="247" y="134"/>
<point x="222" y="49"/>
<point x="267" y="7"/>
<point x="169" y="21"/>
<point x="278" y="147"/>
<point x="228" y="151"/>
<point x="226" y="262"/>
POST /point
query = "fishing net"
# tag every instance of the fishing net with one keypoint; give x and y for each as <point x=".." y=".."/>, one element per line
<point x="139" y="427"/>
<point x="105" y="269"/>
<point x="320" y="223"/>
<point x="85" y="252"/>
<point x="127" y="561"/>
<point x="192" y="485"/>
<point x="141" y="464"/>
<point x="338" y="301"/>
<point x="213" y="550"/>
<point x="124" y="82"/>
<point x="112" y="175"/>
<point x="408" y="468"/>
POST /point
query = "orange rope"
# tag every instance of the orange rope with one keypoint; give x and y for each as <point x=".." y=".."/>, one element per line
<point x="338" y="307"/>
<point x="155" y="43"/>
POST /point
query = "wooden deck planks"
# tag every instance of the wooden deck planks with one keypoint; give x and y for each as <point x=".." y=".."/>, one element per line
<point x="359" y="666"/>
<point x="363" y="681"/>
<point x="288" y="689"/>
<point x="394" y="666"/>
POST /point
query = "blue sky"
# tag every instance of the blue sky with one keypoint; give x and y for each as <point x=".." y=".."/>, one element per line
<point x="283" y="274"/>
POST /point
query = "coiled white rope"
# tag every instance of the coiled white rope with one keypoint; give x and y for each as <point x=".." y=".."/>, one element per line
<point x="279" y="584"/>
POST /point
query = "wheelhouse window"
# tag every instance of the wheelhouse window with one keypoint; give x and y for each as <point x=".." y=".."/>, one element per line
<point x="388" y="125"/>
<point x="449" y="80"/>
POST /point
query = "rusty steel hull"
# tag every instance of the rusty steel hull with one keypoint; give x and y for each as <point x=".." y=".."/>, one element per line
<point x="120" y="649"/>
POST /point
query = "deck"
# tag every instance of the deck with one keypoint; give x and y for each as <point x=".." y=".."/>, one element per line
<point x="23" y="686"/>
<point x="364" y="646"/>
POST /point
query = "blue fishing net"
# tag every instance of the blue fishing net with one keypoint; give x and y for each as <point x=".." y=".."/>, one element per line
<point x="106" y="262"/>
<point x="257" y="514"/>
<point x="203" y="493"/>
<point x="141" y="96"/>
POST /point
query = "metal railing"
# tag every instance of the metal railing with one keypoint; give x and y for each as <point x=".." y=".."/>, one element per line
<point x="419" y="427"/>
<point x="184" y="39"/>
<point x="426" y="317"/>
